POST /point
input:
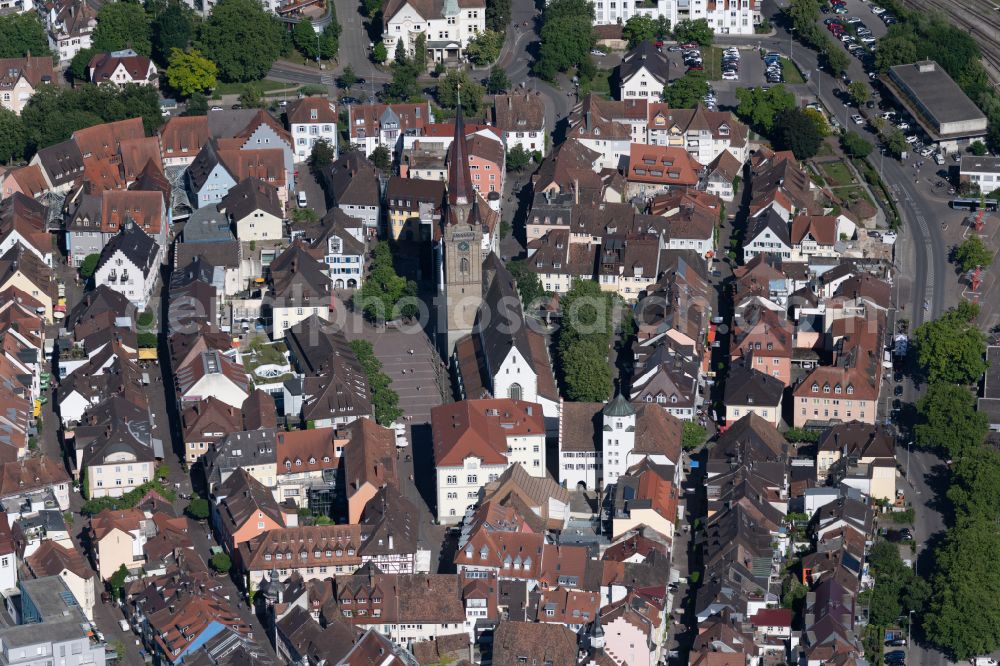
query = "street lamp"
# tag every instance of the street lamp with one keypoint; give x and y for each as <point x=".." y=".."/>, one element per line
<point x="881" y="160"/>
<point x="909" y="627"/>
<point x="791" y="45"/>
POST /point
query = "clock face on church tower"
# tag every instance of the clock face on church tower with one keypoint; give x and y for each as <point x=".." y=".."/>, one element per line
<point x="463" y="247"/>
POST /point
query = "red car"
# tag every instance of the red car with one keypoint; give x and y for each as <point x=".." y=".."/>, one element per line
<point x="698" y="68"/>
<point x="689" y="46"/>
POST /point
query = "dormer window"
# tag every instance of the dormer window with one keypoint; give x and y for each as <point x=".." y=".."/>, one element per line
<point x="298" y="462"/>
<point x="850" y="389"/>
<point x="483" y="553"/>
<point x="836" y="389"/>
<point x="826" y="388"/>
<point x="815" y="387"/>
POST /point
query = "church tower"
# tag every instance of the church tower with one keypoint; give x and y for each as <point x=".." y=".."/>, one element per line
<point x="461" y="283"/>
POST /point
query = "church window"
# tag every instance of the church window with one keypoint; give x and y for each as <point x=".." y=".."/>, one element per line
<point x="514" y="392"/>
<point x="463" y="265"/>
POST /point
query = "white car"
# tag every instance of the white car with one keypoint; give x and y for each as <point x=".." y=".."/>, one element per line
<point x="597" y="53"/>
<point x="926" y="151"/>
<point x="857" y="119"/>
<point x="912" y="139"/>
<point x="876" y="10"/>
<point x="854" y="19"/>
<point x="903" y="126"/>
<point x="730" y="76"/>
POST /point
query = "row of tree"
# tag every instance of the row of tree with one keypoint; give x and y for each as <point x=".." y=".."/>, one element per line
<point x="53" y="114"/>
<point x="950" y="352"/>
<point x="804" y="17"/>
<point x="385" y="400"/>
<point x="584" y="342"/>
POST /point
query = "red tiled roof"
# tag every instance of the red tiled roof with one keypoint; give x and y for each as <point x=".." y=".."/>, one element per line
<point x="480" y="428"/>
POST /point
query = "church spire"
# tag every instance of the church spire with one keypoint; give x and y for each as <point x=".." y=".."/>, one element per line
<point x="460" y="191"/>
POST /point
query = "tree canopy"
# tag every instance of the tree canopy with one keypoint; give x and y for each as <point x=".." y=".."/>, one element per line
<point x="528" y="285"/>
<point x="974" y="491"/>
<point x="381" y="158"/>
<point x="242" y="39"/>
<point x="172" y="29"/>
<point x="949" y="420"/>
<point x="122" y="25"/>
<point x="641" y="28"/>
<point x="321" y="155"/>
<point x="13" y="137"/>
<point x="21" y="34"/>
<point x="53" y="114"/>
<point x="687" y="91"/>
<point x="498" y="81"/>
<point x="190" y="72"/>
<point x="952" y="348"/>
<point x="854" y="145"/>
<point x="964" y="609"/>
<point x="498" y="15"/>
<point x="385" y="295"/>
<point x="583" y="342"/>
<point x="697" y="31"/>
<point x="760" y="108"/>
<point x="385" y="401"/>
<point x="485" y="48"/>
<point x="794" y="130"/>
<point x="567" y="36"/>
<point x="972" y="253"/>
<point x="472" y="93"/>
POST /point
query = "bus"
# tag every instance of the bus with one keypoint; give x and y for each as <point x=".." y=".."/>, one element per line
<point x="973" y="204"/>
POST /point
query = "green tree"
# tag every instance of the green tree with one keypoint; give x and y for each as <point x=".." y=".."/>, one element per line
<point x="895" y="142"/>
<point x="694" y="435"/>
<point x="382" y="159"/>
<point x="242" y="39"/>
<point x="221" y="562"/>
<point x="13" y="137"/>
<point x="122" y="25"/>
<point x="189" y="72"/>
<point x="498" y="81"/>
<point x="322" y="155"/>
<point x="485" y="48"/>
<point x="197" y="105"/>
<point x="974" y="490"/>
<point x="172" y="29"/>
<point x="305" y="40"/>
<point x="760" y="108"/>
<point x="348" y="79"/>
<point x="447" y="90"/>
<point x="419" y="54"/>
<point x="252" y="97"/>
<point x="687" y="91"/>
<point x="198" y="508"/>
<point x="329" y="39"/>
<point x="528" y="285"/>
<point x="586" y="372"/>
<point x="796" y="435"/>
<point x="117" y="581"/>
<point x="498" y="15"/>
<point x="854" y="145"/>
<point x="697" y="31"/>
<point x="89" y="265"/>
<point x="894" y="50"/>
<point x="517" y="158"/>
<point x="978" y="148"/>
<point x="403" y="86"/>
<point x="379" y="53"/>
<point x="972" y="253"/>
<point x="567" y="36"/>
<point x="385" y="401"/>
<point x="641" y="28"/>
<point x="79" y="66"/>
<point x="964" y="612"/>
<point x="835" y="56"/>
<point x="949" y="420"/>
<point x="795" y="131"/>
<point x="859" y="92"/>
<point x="385" y="295"/>
<point x="951" y="348"/>
<point x="21" y="34"/>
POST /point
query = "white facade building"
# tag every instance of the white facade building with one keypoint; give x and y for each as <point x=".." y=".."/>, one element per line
<point x="130" y="264"/>
<point x="310" y="120"/>
<point x="448" y="29"/>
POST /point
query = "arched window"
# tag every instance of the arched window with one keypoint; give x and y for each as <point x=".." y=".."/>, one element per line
<point x="463" y="265"/>
<point x="514" y="392"/>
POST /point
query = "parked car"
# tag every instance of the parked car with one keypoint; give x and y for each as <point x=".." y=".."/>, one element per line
<point x="730" y="75"/>
<point x="938" y="158"/>
<point x="906" y="535"/>
<point x="689" y="45"/>
<point x="912" y="139"/>
<point x="896" y="642"/>
<point x="597" y="52"/>
<point x="854" y="19"/>
<point x="898" y="391"/>
<point x="895" y="655"/>
<point x="857" y="119"/>
<point x="876" y="10"/>
<point x="675" y="48"/>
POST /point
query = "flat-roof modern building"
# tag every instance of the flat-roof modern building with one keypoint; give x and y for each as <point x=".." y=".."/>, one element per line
<point x="936" y="102"/>
<point x="982" y="170"/>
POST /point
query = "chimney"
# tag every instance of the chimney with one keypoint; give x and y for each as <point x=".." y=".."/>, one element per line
<point x="576" y="191"/>
<point x="390" y="541"/>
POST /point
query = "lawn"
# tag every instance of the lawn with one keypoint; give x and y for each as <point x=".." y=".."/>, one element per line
<point x="600" y="84"/>
<point x="851" y="194"/>
<point x="266" y="86"/>
<point x="712" y="60"/>
<point x="837" y="173"/>
<point x="791" y="72"/>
